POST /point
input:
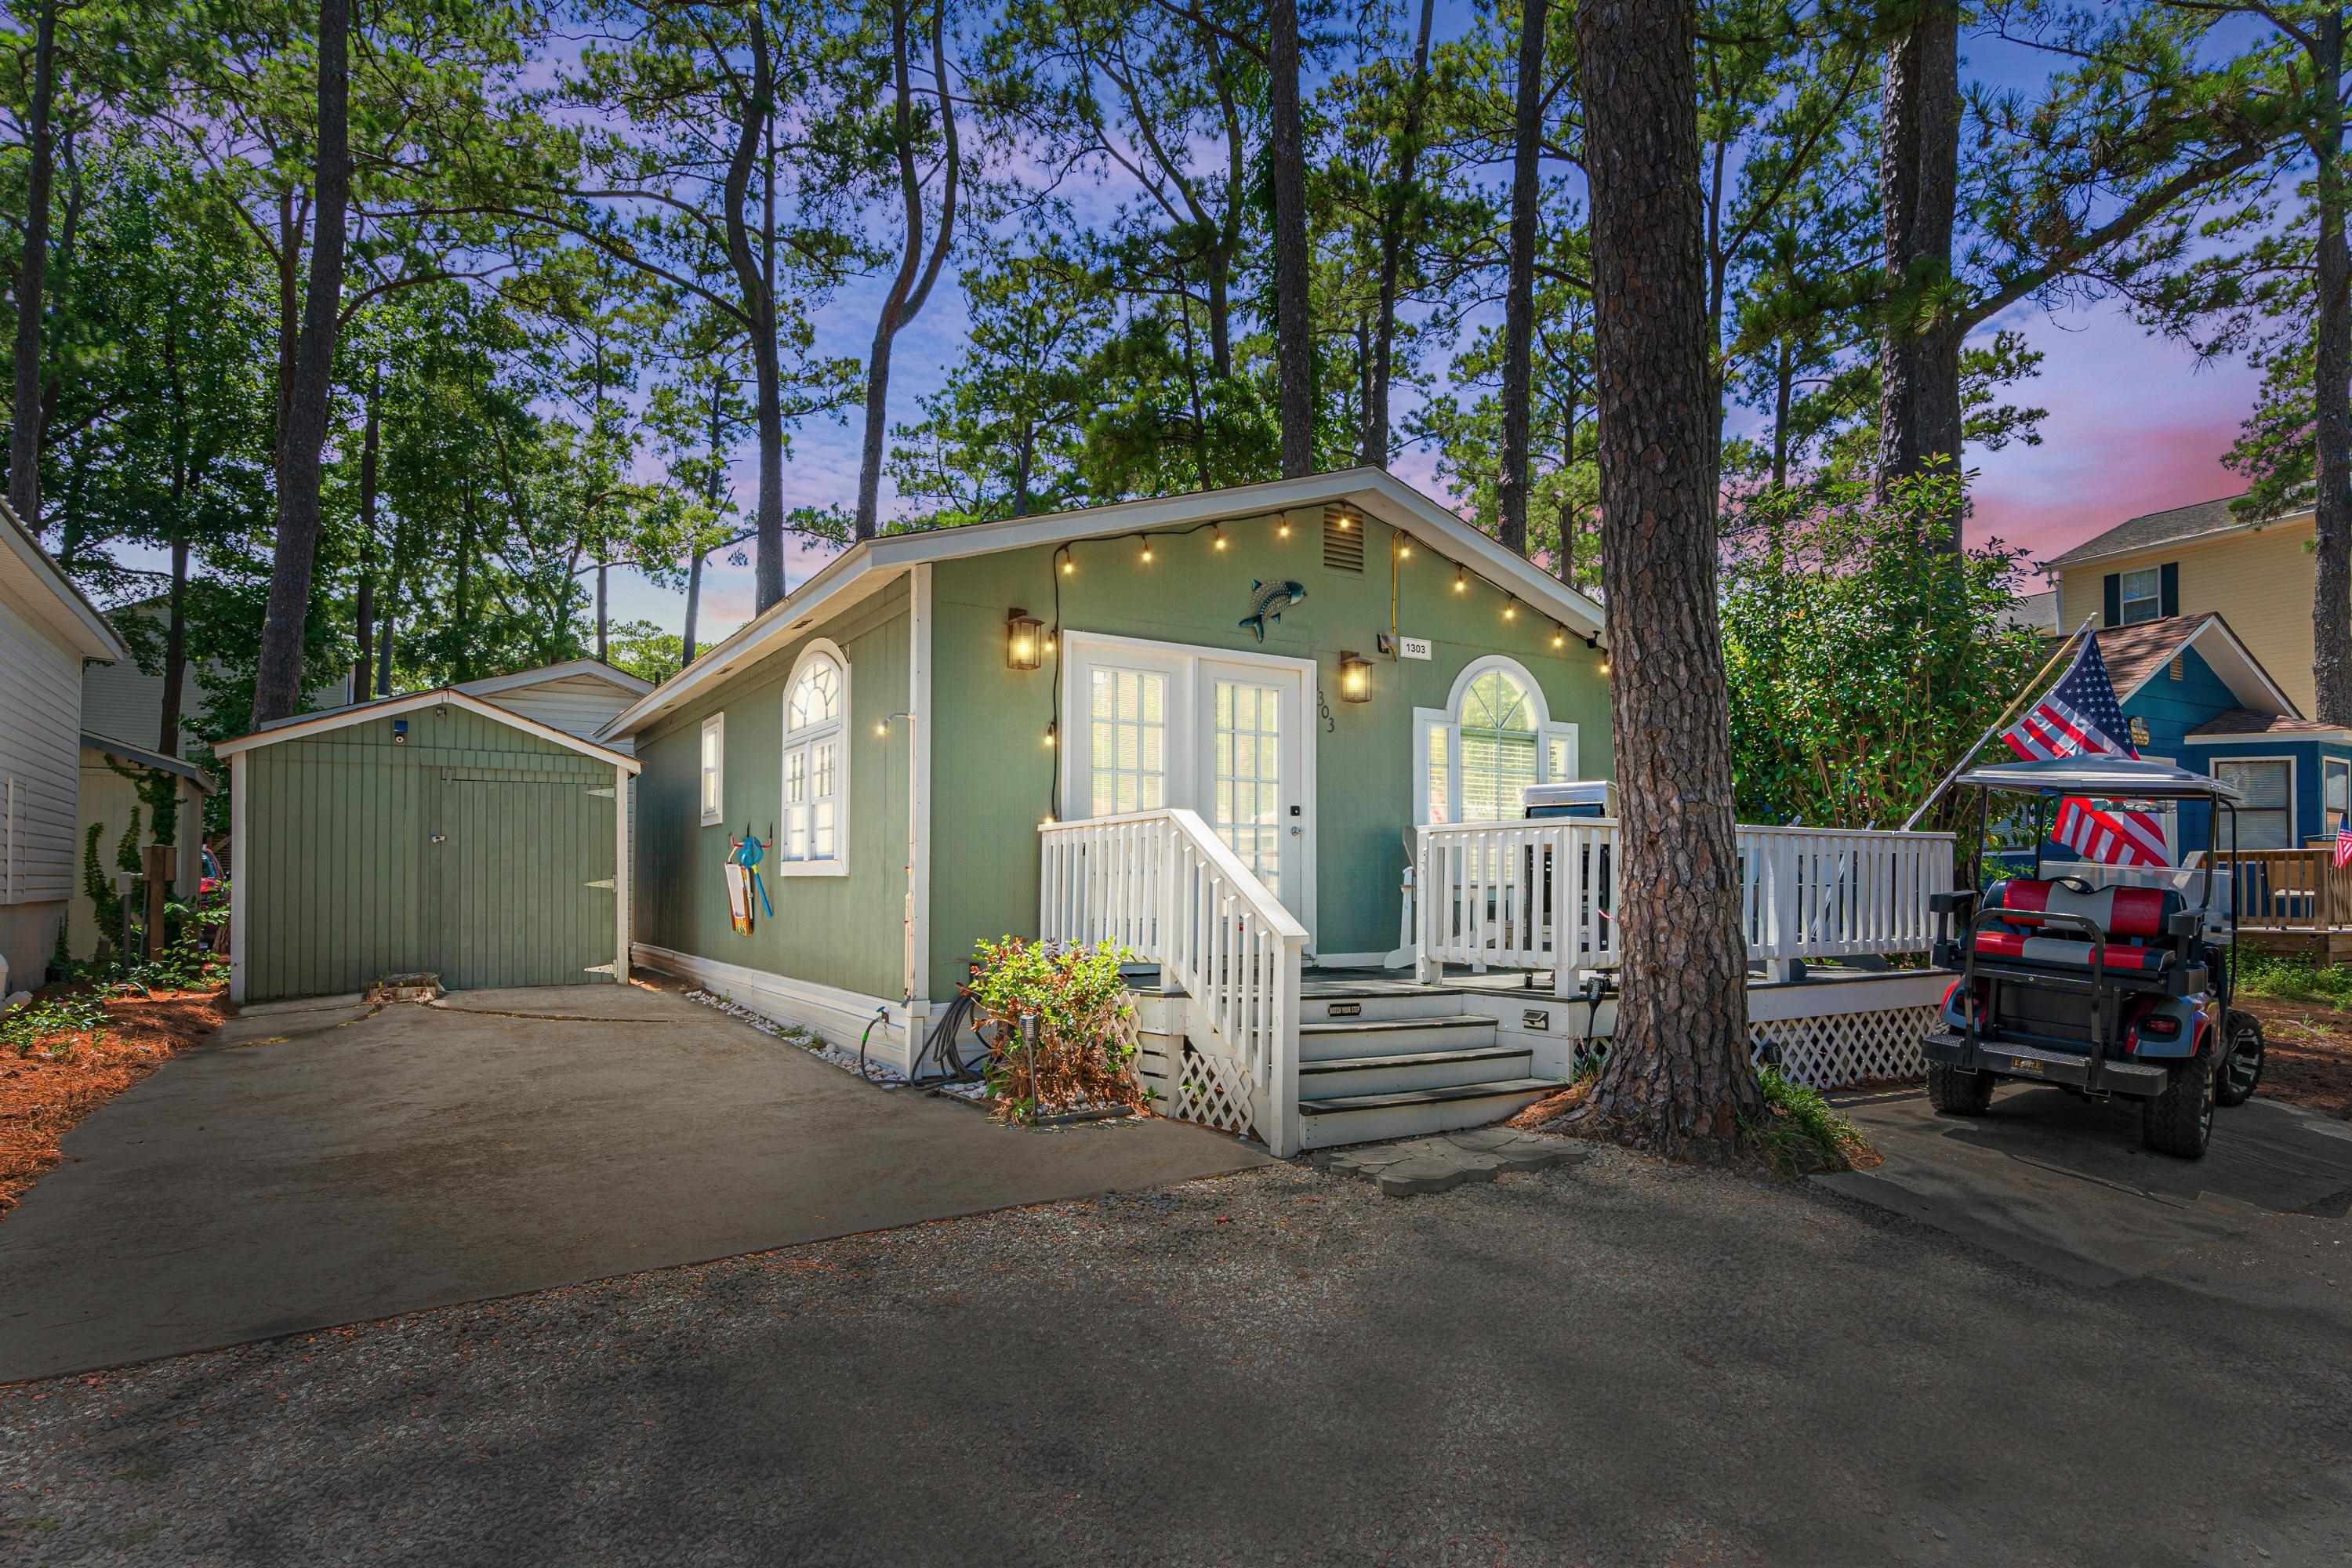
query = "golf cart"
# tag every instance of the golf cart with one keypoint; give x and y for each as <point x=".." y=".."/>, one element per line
<point x="2104" y="980"/>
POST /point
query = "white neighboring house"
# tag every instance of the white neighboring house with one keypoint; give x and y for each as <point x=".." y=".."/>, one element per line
<point x="48" y="630"/>
<point x="123" y="702"/>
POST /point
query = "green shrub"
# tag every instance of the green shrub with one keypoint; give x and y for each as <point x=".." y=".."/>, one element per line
<point x="1800" y="1133"/>
<point x="50" y="1029"/>
<point x="2294" y="979"/>
<point x="1086" y="1031"/>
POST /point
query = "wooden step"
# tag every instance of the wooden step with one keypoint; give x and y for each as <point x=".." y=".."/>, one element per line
<point x="1366" y="1118"/>
<point x="1344" y="1077"/>
<point x="1393" y="1036"/>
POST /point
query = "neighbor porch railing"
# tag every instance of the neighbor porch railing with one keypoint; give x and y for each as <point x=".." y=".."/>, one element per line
<point x="1163" y="885"/>
<point x="1544" y="895"/>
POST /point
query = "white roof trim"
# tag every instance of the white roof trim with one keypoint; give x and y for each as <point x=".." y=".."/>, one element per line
<point x="492" y="685"/>
<point x="1376" y="493"/>
<point x="313" y="724"/>
<point x="2267" y="737"/>
<point x="65" y="608"/>
<point x="2239" y="671"/>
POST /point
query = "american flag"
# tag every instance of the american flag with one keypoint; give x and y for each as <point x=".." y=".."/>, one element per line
<point x="2080" y="716"/>
<point x="2343" y="846"/>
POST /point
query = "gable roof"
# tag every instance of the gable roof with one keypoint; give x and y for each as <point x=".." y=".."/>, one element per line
<point x="867" y="567"/>
<point x="92" y="741"/>
<point x="2134" y="655"/>
<point x="62" y="607"/>
<point x="596" y="668"/>
<point x="2200" y="520"/>
<point x="2244" y="724"/>
<point x="304" y="725"/>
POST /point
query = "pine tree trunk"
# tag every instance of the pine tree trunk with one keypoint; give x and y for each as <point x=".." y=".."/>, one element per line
<point x="1678" y="1077"/>
<point x="1402" y="190"/>
<point x="2331" y="609"/>
<point x="603" y="612"/>
<point x="1918" y="169"/>
<point x="755" y="281"/>
<point x="277" y="685"/>
<point x="1294" y="344"/>
<point x="24" y="431"/>
<point x="363" y="612"/>
<point x="1519" y="291"/>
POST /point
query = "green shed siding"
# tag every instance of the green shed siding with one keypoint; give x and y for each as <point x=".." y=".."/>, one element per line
<point x="845" y="932"/>
<point x="992" y="775"/>
<point x="345" y="883"/>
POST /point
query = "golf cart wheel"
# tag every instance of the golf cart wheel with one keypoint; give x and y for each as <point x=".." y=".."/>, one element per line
<point x="1958" y="1093"/>
<point x="2180" y="1121"/>
<point x="2242" y="1060"/>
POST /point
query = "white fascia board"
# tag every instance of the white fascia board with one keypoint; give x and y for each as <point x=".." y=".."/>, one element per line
<point x="492" y="685"/>
<point x="61" y="605"/>
<point x="2239" y="670"/>
<point x="344" y="717"/>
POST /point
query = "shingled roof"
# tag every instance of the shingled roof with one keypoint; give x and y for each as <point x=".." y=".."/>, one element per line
<point x="2240" y="722"/>
<point x="2149" y="529"/>
<point x="2135" y="654"/>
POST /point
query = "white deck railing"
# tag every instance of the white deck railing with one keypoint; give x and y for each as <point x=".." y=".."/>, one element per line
<point x="1162" y="884"/>
<point x="1544" y="895"/>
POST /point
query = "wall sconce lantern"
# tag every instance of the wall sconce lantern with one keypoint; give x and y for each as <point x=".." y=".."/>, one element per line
<point x="1022" y="645"/>
<point x="1355" y="677"/>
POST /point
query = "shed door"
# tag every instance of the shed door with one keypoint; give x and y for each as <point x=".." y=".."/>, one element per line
<point x="523" y="881"/>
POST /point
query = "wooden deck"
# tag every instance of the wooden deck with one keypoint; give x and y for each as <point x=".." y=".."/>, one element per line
<point x="2292" y="902"/>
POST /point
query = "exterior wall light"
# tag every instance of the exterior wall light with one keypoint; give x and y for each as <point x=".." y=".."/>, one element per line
<point x="1147" y="551"/>
<point x="400" y="732"/>
<point x="1022" y="645"/>
<point x="1355" y="677"/>
<point x="1460" y="580"/>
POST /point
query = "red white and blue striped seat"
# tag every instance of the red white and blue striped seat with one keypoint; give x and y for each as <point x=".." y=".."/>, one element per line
<point x="2132" y="919"/>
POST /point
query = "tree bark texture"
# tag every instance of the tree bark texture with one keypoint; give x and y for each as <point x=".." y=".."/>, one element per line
<point x="1395" y="212"/>
<point x="2331" y="606"/>
<point x="756" y="282"/>
<point x="912" y="284"/>
<point x="1918" y="171"/>
<point x="24" y="427"/>
<point x="1519" y="290"/>
<point x="1293" y="331"/>
<point x="277" y="685"/>
<point x="1678" y="1077"/>
<point x="363" y="613"/>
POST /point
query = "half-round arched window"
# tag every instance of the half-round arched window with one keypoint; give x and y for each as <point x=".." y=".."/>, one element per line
<point x="1474" y="758"/>
<point x="813" y="834"/>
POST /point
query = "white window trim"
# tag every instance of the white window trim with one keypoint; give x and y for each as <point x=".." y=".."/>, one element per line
<point x="1448" y="718"/>
<point x="2126" y="600"/>
<point x="2294" y="799"/>
<point x="714" y="724"/>
<point x="837" y="864"/>
<point x="2328" y="765"/>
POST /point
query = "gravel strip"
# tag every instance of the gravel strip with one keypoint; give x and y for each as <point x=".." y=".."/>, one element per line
<point x="1613" y="1361"/>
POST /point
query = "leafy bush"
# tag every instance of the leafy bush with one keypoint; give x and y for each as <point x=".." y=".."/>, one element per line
<point x="2294" y="979"/>
<point x="1800" y="1133"/>
<point x="50" y="1029"/>
<point x="1086" y="1026"/>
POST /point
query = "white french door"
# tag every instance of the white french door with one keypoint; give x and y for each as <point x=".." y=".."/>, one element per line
<point x="1160" y="724"/>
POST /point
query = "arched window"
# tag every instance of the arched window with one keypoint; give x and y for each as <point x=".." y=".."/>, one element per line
<point x="1473" y="759"/>
<point x="813" y="838"/>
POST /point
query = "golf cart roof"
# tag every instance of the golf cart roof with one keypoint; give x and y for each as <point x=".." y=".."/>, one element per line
<point x="2105" y="776"/>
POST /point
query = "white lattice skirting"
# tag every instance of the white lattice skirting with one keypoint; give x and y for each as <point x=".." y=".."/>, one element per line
<point x="1845" y="1048"/>
<point x="1215" y="1093"/>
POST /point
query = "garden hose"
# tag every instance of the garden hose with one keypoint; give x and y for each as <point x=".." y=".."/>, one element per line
<point x="881" y="1015"/>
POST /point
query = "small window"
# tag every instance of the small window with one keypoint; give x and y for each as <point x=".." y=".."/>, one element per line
<point x="714" y="769"/>
<point x="813" y="838"/>
<point x="2266" y="818"/>
<point x="2143" y="594"/>
<point x="2337" y="774"/>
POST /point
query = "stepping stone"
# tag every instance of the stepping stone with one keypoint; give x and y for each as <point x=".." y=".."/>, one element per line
<point x="1418" y="1166"/>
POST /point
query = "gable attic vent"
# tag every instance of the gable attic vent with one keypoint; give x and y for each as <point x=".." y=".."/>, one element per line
<point x="1343" y="539"/>
<point x="2179" y="666"/>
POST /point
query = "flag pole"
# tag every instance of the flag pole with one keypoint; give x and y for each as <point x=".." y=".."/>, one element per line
<point x="1998" y="725"/>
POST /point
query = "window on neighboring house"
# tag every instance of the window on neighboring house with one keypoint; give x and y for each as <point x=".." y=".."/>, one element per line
<point x="812" y="835"/>
<point x="1473" y="763"/>
<point x="2266" y="816"/>
<point x="714" y="769"/>
<point x="2336" y="776"/>
<point x="2143" y="594"/>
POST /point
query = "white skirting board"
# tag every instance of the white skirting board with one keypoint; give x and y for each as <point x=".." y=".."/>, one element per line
<point x="840" y="1016"/>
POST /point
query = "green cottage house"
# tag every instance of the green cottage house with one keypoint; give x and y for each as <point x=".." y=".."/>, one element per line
<point x="1206" y="726"/>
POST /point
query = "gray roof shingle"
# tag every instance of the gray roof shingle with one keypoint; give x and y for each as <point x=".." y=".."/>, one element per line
<point x="2151" y="529"/>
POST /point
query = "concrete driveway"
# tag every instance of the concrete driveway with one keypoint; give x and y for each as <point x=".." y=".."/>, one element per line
<point x="327" y="1163"/>
<point x="2061" y="1183"/>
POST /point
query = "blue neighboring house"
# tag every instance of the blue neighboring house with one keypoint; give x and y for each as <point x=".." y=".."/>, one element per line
<point x="2195" y="696"/>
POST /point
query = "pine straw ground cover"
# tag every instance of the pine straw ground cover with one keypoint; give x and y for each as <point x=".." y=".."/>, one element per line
<point x="2306" y="1054"/>
<point x="50" y="1082"/>
<point x="1798" y="1133"/>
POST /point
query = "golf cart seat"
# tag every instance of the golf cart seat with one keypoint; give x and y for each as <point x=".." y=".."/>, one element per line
<point x="2135" y="920"/>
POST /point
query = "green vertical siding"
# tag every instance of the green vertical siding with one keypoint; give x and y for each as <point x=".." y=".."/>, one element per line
<point x="344" y="884"/>
<point x="993" y="778"/>
<point x="845" y="931"/>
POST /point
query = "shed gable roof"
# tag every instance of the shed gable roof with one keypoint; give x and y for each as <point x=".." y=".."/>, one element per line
<point x="304" y="726"/>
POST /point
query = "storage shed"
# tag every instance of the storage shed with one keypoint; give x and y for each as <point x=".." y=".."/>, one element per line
<point x="434" y="831"/>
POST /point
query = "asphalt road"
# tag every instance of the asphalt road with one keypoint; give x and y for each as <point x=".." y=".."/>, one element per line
<point x="319" y="1164"/>
<point x="1614" y="1362"/>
